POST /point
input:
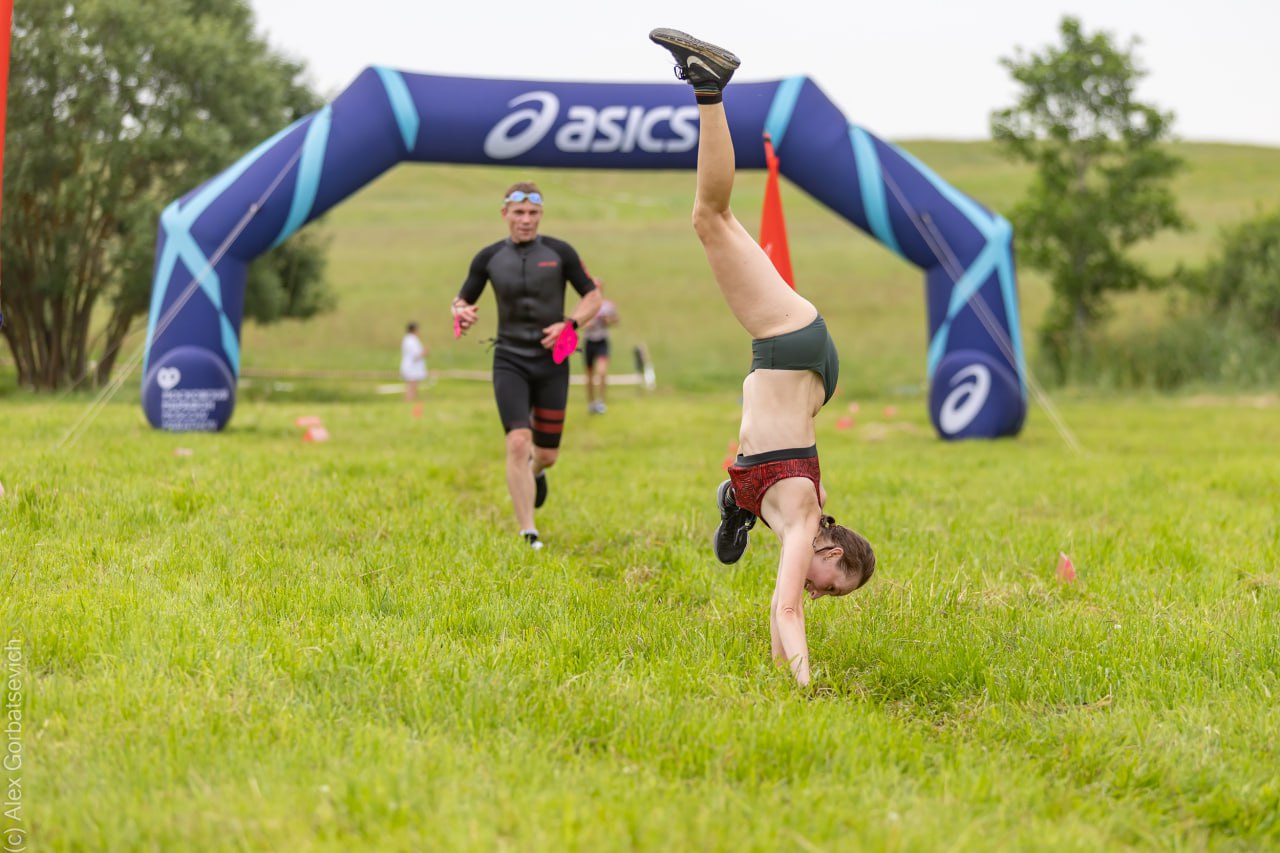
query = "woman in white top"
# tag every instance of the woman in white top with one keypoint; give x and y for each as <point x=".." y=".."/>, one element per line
<point x="413" y="361"/>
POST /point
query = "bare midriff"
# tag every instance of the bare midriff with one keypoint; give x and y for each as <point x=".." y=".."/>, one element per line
<point x="778" y="408"/>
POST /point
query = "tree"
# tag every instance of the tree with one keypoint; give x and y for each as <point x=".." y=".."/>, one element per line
<point x="1243" y="280"/>
<point x="116" y="108"/>
<point x="1101" y="182"/>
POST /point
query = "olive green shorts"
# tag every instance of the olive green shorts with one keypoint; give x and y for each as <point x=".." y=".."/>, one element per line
<point x="810" y="348"/>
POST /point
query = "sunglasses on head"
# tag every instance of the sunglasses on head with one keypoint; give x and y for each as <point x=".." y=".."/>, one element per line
<point x="521" y="195"/>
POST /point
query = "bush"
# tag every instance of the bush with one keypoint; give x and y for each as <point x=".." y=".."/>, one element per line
<point x="1190" y="349"/>
<point x="1222" y="327"/>
<point x="1243" y="282"/>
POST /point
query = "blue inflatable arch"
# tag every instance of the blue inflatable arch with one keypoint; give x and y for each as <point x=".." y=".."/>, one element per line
<point x="207" y="238"/>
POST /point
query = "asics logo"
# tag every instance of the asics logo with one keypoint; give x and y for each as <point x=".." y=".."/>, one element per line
<point x="695" y="60"/>
<point x="962" y="405"/>
<point x="504" y="142"/>
<point x="591" y="130"/>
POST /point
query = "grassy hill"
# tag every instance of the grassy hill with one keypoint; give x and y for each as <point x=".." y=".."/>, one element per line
<point x="401" y="246"/>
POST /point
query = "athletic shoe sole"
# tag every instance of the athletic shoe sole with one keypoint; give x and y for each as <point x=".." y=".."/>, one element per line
<point x="704" y="50"/>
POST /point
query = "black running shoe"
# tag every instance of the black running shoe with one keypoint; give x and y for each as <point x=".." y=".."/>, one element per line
<point x="735" y="522"/>
<point x="532" y="538"/>
<point x="539" y="490"/>
<point x="706" y="67"/>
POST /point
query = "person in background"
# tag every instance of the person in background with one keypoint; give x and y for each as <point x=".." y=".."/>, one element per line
<point x="413" y="361"/>
<point x="794" y="368"/>
<point x="595" y="351"/>
<point x="530" y="273"/>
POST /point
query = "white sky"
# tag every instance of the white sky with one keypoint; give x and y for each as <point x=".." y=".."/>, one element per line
<point x="903" y="70"/>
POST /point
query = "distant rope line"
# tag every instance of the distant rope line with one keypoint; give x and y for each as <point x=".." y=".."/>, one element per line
<point x="77" y="429"/>
<point x="393" y="376"/>
<point x="955" y="269"/>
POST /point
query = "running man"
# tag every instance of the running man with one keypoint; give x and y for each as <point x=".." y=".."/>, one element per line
<point x="794" y="368"/>
<point x="529" y="272"/>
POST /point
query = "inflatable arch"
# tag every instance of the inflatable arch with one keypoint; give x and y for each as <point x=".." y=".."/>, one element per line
<point x="207" y="238"/>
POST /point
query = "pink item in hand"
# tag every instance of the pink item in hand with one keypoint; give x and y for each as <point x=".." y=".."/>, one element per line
<point x="565" y="344"/>
<point x="457" y="328"/>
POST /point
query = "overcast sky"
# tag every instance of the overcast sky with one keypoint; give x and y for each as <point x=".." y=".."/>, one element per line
<point x="902" y="70"/>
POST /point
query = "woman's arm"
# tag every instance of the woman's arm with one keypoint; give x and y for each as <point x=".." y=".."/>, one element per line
<point x="788" y="606"/>
<point x="791" y="507"/>
<point x="775" y="639"/>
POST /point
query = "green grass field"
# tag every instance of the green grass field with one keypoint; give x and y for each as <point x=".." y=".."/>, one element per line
<point x="244" y="641"/>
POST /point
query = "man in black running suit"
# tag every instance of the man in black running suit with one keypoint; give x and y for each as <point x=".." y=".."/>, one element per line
<point x="529" y="272"/>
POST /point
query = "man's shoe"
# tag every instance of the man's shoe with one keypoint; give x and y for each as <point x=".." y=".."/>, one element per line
<point x="705" y="66"/>
<point x="539" y="490"/>
<point x="735" y="523"/>
<point x="532" y="538"/>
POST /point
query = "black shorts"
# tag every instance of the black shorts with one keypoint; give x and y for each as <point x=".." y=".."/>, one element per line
<point x="594" y="350"/>
<point x="532" y="393"/>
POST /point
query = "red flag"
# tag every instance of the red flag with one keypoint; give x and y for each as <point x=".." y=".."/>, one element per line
<point x="773" y="228"/>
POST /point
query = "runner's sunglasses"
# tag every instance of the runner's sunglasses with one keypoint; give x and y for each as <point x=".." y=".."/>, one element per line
<point x="520" y="195"/>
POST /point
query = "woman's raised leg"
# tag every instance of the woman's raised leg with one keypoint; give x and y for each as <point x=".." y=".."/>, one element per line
<point x="757" y="295"/>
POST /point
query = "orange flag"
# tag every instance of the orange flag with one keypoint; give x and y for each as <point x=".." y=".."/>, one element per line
<point x="773" y="228"/>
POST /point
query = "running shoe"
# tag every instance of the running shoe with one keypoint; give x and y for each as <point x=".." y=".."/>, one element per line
<point x="534" y="542"/>
<point x="704" y="66"/>
<point x="735" y="523"/>
<point x="539" y="490"/>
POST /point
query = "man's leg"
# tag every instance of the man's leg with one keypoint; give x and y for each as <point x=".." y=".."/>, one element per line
<point x="549" y="395"/>
<point x="589" y="355"/>
<point x="513" y="391"/>
<point x="602" y="376"/>
<point x="543" y="458"/>
<point x="520" y="476"/>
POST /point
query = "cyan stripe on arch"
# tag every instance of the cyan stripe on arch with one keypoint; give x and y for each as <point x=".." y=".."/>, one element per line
<point x="310" y="170"/>
<point x="782" y="108"/>
<point x="961" y="292"/>
<point x="402" y="106"/>
<point x="177" y="220"/>
<point x="871" y="180"/>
